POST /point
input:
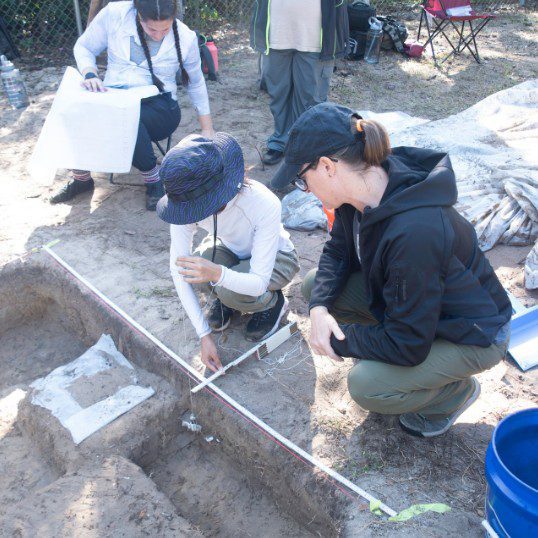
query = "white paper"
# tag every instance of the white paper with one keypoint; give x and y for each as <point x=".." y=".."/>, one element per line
<point x="88" y="130"/>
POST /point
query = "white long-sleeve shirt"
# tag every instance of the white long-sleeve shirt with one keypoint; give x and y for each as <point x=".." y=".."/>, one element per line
<point x="112" y="29"/>
<point x="250" y="227"/>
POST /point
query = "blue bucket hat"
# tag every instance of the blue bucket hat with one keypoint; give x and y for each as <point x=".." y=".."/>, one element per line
<point x="200" y="176"/>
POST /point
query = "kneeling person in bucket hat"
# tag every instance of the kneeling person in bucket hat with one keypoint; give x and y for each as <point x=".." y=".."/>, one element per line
<point x="247" y="257"/>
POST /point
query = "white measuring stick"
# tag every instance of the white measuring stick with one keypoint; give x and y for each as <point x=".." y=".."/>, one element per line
<point x="262" y="349"/>
<point x="236" y="405"/>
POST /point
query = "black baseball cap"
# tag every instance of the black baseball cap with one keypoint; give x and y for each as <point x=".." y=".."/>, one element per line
<point x="317" y="132"/>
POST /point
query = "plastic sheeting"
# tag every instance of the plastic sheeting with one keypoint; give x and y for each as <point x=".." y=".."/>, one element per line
<point x="53" y="392"/>
<point x="302" y="211"/>
<point x="493" y="148"/>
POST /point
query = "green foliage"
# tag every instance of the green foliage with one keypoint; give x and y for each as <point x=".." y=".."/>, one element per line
<point x="36" y="22"/>
<point x="208" y="13"/>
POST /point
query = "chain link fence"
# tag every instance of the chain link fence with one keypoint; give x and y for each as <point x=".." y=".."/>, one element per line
<point x="44" y="31"/>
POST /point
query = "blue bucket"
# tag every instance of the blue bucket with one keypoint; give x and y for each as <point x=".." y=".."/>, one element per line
<point x="512" y="476"/>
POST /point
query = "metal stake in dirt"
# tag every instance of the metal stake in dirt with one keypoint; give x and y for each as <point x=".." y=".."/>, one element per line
<point x="262" y="349"/>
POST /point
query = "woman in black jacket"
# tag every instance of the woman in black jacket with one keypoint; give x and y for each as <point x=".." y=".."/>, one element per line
<point x="402" y="284"/>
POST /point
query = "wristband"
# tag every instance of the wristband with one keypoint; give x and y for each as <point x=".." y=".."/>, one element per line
<point x="90" y="75"/>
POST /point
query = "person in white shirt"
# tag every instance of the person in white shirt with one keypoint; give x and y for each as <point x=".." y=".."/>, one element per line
<point x="247" y="257"/>
<point x="146" y="44"/>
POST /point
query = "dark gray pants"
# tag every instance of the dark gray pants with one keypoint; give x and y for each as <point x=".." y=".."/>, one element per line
<point x="295" y="82"/>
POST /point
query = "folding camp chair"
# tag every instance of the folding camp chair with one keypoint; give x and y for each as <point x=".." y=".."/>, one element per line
<point x="163" y="153"/>
<point x="439" y="15"/>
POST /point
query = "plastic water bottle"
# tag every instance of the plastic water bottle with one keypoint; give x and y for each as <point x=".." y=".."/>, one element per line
<point x="374" y="37"/>
<point x="13" y="84"/>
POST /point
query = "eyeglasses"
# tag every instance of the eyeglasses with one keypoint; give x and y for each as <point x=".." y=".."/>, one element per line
<point x="300" y="181"/>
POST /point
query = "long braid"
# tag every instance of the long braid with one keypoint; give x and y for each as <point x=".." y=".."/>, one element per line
<point x="184" y="74"/>
<point x="144" y="43"/>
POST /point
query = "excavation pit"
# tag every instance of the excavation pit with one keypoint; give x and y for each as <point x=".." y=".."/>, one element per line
<point x="143" y="472"/>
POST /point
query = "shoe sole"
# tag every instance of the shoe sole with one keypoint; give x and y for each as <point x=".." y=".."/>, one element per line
<point x="283" y="311"/>
<point x="472" y="399"/>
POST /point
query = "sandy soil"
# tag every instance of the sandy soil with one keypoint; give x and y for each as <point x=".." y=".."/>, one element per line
<point x="123" y="250"/>
<point x="110" y="498"/>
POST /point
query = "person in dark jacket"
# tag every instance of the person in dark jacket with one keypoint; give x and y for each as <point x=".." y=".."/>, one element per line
<point x="402" y="284"/>
<point x="299" y="40"/>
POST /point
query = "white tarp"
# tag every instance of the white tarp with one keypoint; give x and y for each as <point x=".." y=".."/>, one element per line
<point x="88" y="130"/>
<point x="493" y="146"/>
<point x="53" y="391"/>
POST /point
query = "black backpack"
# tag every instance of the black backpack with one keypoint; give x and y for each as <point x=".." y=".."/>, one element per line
<point x="394" y="34"/>
<point x="358" y="14"/>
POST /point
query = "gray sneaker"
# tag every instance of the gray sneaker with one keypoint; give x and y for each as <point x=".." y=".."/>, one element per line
<point x="432" y="425"/>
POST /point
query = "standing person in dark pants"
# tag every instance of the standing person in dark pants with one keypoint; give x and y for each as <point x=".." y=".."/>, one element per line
<point x="146" y="45"/>
<point x="402" y="285"/>
<point x="301" y="40"/>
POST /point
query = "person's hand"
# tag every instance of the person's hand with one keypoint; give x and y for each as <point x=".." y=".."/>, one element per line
<point x="322" y="326"/>
<point x="209" y="353"/>
<point x="197" y="270"/>
<point x="94" y="84"/>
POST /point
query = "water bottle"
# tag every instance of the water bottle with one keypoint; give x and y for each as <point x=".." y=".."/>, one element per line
<point x="374" y="37"/>
<point x="13" y="84"/>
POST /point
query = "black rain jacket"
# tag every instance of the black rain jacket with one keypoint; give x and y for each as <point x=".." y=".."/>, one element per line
<point x="425" y="274"/>
<point x="334" y="28"/>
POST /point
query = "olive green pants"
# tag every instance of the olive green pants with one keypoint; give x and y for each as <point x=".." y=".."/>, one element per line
<point x="286" y="265"/>
<point x="437" y="386"/>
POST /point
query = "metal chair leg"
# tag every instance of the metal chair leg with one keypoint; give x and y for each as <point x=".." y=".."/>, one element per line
<point x="419" y="26"/>
<point x="430" y="39"/>
<point x="168" y="144"/>
<point x="160" y="147"/>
